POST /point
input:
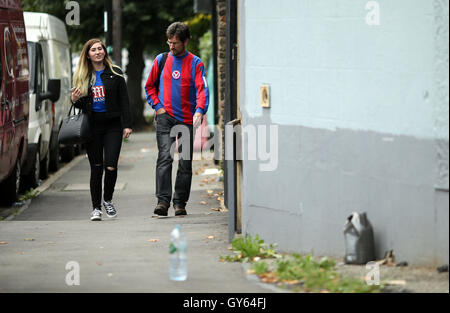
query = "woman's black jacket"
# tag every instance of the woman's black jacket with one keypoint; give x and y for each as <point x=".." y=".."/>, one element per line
<point x="116" y="98"/>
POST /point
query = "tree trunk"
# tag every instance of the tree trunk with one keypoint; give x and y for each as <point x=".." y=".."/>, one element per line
<point x="134" y="71"/>
<point x="117" y="31"/>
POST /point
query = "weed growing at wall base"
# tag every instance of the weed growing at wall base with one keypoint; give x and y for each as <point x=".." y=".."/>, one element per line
<point x="293" y="271"/>
<point x="250" y="249"/>
<point x="306" y="274"/>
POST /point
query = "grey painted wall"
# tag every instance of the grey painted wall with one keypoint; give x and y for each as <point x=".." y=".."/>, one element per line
<point x="364" y="131"/>
<point x="324" y="176"/>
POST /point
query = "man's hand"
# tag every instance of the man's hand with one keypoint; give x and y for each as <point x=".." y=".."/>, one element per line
<point x="127" y="132"/>
<point x="197" y="119"/>
<point x="160" y="111"/>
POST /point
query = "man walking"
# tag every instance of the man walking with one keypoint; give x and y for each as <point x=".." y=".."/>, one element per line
<point x="178" y="92"/>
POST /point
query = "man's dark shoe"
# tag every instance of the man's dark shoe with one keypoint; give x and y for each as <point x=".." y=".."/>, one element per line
<point x="179" y="210"/>
<point x="162" y="209"/>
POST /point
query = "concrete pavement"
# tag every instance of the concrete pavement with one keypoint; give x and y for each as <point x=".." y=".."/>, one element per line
<point x="125" y="254"/>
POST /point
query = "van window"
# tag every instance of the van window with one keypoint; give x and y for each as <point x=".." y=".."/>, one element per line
<point x="39" y="69"/>
<point x="32" y="63"/>
<point x="36" y="62"/>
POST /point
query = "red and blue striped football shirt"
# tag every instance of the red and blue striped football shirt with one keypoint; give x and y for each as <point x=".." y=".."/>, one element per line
<point x="183" y="89"/>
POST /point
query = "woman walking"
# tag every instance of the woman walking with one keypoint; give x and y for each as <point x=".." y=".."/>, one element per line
<point x="100" y="90"/>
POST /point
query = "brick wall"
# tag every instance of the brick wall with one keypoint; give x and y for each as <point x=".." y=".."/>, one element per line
<point x="221" y="8"/>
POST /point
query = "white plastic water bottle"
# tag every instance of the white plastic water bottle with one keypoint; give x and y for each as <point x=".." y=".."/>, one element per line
<point x="177" y="250"/>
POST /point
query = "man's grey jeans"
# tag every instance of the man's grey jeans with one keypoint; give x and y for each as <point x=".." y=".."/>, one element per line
<point x="166" y="144"/>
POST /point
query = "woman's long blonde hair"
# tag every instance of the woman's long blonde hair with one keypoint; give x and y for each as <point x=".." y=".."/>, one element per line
<point x="84" y="72"/>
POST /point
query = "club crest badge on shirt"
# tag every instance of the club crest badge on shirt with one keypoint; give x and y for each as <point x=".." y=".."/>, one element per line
<point x="99" y="93"/>
<point x="176" y="74"/>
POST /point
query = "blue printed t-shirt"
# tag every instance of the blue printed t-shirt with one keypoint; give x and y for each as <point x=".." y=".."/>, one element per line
<point x="98" y="93"/>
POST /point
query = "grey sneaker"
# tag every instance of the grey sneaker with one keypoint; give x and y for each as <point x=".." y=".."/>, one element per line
<point x="96" y="215"/>
<point x="110" y="209"/>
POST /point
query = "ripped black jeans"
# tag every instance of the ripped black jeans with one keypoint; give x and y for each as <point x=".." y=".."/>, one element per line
<point x="103" y="153"/>
<point x="167" y="130"/>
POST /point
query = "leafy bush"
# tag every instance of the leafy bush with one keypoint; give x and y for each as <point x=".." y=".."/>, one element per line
<point x="198" y="25"/>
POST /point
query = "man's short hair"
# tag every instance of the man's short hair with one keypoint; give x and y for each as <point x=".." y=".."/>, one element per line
<point x="181" y="30"/>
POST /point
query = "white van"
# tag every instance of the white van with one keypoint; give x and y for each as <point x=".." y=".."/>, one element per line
<point x="43" y="93"/>
<point x="49" y="34"/>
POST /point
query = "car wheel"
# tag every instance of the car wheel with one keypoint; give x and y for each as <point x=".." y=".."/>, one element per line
<point x="67" y="153"/>
<point x="10" y="187"/>
<point x="32" y="178"/>
<point x="44" y="166"/>
<point x="54" y="159"/>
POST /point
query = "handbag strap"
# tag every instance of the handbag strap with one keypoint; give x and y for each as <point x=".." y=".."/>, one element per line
<point x="73" y="107"/>
<point x="70" y="110"/>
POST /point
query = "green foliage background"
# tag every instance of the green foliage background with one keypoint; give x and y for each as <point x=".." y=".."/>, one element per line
<point x="144" y="25"/>
<point x="141" y="19"/>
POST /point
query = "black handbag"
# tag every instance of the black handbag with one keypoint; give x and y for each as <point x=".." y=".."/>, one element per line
<point x="75" y="128"/>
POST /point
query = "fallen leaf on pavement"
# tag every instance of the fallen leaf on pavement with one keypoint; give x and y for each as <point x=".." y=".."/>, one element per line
<point x="203" y="202"/>
<point x="269" y="278"/>
<point x="3" y="243"/>
<point x="215" y="209"/>
<point x="209" y="192"/>
<point x="211" y="237"/>
<point x="154" y="240"/>
<point x="396" y="283"/>
<point x="29" y="239"/>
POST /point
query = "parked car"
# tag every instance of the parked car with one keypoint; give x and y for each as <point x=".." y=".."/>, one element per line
<point x="42" y="91"/>
<point x="50" y="34"/>
<point x="14" y="98"/>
